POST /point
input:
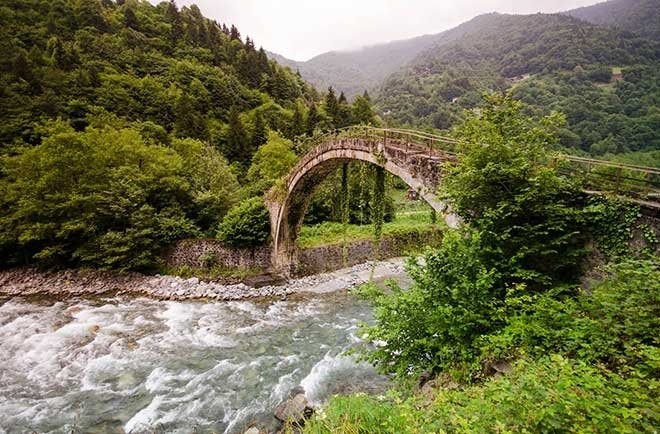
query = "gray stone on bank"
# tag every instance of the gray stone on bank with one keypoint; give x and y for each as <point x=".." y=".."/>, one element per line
<point x="28" y="281"/>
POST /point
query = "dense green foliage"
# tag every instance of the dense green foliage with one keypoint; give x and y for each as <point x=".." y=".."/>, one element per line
<point x="105" y="197"/>
<point x="552" y="62"/>
<point x="172" y="67"/>
<point x="603" y="116"/>
<point x="547" y="396"/>
<point x="246" y="225"/>
<point x="514" y="343"/>
<point x="127" y="125"/>
<point x="613" y="324"/>
<point x="524" y="236"/>
<point x="271" y="162"/>
<point x="636" y="16"/>
<point x="506" y="187"/>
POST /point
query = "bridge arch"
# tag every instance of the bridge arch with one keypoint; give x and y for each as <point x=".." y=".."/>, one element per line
<point x="418" y="166"/>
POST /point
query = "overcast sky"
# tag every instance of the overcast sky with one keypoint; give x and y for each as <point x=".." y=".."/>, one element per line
<point x="301" y="29"/>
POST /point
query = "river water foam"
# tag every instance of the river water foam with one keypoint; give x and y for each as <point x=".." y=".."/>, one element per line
<point x="141" y="365"/>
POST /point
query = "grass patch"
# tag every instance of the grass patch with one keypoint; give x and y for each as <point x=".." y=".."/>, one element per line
<point x="333" y="233"/>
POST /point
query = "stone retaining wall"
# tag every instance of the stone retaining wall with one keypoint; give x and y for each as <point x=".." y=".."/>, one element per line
<point x="204" y="253"/>
<point x="331" y="257"/>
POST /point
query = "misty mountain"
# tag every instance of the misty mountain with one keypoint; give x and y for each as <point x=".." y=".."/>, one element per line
<point x="353" y="72"/>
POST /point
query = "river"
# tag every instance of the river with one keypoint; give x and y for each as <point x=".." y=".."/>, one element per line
<point x="138" y="365"/>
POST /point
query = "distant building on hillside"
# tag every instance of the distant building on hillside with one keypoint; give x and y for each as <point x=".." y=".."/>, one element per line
<point x="518" y="78"/>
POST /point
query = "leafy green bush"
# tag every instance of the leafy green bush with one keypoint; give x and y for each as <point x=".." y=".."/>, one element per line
<point x="102" y="198"/>
<point x="611" y="224"/>
<point x="615" y="324"/>
<point x="246" y="225"/>
<point x="271" y="162"/>
<point x="505" y="185"/>
<point x="552" y="395"/>
<point x="435" y="325"/>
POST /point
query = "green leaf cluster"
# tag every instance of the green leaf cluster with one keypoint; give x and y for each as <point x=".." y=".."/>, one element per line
<point x="246" y="225"/>
<point x="107" y="197"/>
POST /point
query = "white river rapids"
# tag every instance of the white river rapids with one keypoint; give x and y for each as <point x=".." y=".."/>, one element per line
<point x="141" y="365"/>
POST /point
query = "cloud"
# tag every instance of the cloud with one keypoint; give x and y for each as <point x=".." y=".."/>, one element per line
<point x="300" y="29"/>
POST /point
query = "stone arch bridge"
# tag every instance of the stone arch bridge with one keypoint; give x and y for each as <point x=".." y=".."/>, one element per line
<point x="416" y="158"/>
<point x="413" y="156"/>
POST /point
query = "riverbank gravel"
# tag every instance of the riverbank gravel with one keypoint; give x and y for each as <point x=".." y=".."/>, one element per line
<point x="80" y="283"/>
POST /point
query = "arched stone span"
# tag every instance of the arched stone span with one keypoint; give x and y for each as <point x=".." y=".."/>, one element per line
<point x="418" y="166"/>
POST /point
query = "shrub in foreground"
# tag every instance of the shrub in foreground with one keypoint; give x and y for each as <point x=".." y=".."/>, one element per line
<point x="551" y="395"/>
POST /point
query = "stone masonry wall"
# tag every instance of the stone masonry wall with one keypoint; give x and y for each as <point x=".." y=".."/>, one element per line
<point x="205" y="252"/>
<point x="202" y="253"/>
<point x="330" y="257"/>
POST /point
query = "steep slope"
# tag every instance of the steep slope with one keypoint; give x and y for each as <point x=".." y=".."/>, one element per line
<point x="120" y="121"/>
<point x="504" y="51"/>
<point x="175" y="68"/>
<point x="638" y="16"/>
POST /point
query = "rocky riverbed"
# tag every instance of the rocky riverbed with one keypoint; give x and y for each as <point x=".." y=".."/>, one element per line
<point x="76" y="283"/>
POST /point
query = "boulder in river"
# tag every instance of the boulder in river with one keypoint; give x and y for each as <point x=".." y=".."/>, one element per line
<point x="295" y="410"/>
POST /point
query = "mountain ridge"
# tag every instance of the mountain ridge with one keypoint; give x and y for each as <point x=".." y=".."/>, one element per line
<point x="354" y="71"/>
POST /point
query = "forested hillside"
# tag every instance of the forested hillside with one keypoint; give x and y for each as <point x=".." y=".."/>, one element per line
<point x="637" y="16"/>
<point x="174" y="68"/>
<point x="126" y="126"/>
<point x="352" y="72"/>
<point x="604" y="80"/>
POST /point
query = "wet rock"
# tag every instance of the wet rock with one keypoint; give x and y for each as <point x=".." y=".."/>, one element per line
<point x="295" y="410"/>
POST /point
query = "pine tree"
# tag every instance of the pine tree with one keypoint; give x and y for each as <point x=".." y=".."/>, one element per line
<point x="260" y="135"/>
<point x="344" y="115"/>
<point x="89" y="13"/>
<point x="249" y="44"/>
<point x="332" y="106"/>
<point x="297" y="126"/>
<point x="238" y="148"/>
<point x="312" y="119"/>
<point x="130" y="20"/>
<point x="189" y="121"/>
<point x="234" y="34"/>
<point x="173" y="16"/>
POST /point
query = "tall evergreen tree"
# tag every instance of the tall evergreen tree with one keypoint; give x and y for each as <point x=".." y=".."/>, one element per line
<point x="260" y="134"/>
<point x="312" y="119"/>
<point x="173" y="16"/>
<point x="130" y="20"/>
<point x="332" y="106"/>
<point x="189" y="122"/>
<point x="363" y="113"/>
<point x="238" y="147"/>
<point x="297" y="125"/>
<point x="234" y="34"/>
